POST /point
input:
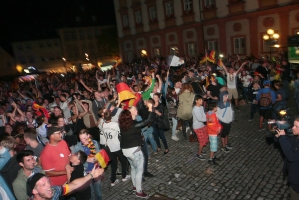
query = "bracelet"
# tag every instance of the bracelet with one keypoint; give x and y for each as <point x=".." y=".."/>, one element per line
<point x="91" y="176"/>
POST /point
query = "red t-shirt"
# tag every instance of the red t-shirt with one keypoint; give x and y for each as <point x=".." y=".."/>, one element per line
<point x="55" y="158"/>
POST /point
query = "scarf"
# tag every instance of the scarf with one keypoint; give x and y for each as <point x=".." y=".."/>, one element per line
<point x="92" y="148"/>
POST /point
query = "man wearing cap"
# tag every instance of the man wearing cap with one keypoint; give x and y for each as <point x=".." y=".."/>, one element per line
<point x="39" y="186"/>
<point x="265" y="111"/>
<point x="55" y="156"/>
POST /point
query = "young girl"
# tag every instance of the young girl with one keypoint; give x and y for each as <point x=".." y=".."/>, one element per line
<point x="199" y="117"/>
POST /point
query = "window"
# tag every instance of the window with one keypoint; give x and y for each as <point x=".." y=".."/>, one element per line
<point x="92" y="50"/>
<point x="130" y="56"/>
<point x="209" y="3"/>
<point x="212" y="45"/>
<point x="76" y="51"/>
<point x="239" y="45"/>
<point x="153" y="13"/>
<point x="96" y="32"/>
<point x="73" y="35"/>
<point x="22" y="60"/>
<point x="173" y="50"/>
<point x="58" y="55"/>
<point x="266" y="45"/>
<point x="30" y="59"/>
<point x="81" y="34"/>
<point x="156" y="51"/>
<point x="84" y="49"/>
<point x="69" y="52"/>
<point x="169" y="8"/>
<point x="125" y="21"/>
<point x="44" y="58"/>
<point x="187" y="5"/>
<point x="192" y="49"/>
<point x="51" y="56"/>
<point x="89" y="34"/>
<point x="41" y="45"/>
<point x="66" y="35"/>
<point x="138" y="17"/>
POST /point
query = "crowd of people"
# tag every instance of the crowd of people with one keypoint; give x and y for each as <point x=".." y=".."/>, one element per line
<point x="53" y="126"/>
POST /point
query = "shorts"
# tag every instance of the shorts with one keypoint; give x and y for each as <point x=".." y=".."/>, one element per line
<point x="225" y="129"/>
<point x="213" y="143"/>
<point x="202" y="136"/>
<point x="266" y="113"/>
<point x="232" y="93"/>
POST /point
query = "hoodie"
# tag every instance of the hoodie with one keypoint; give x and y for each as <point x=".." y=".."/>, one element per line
<point x="224" y="109"/>
<point x="186" y="100"/>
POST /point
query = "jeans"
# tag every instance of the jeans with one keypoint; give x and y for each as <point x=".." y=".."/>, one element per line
<point x="97" y="188"/>
<point x="184" y="126"/>
<point x="244" y="93"/>
<point x="136" y="161"/>
<point x="123" y="161"/>
<point x="144" y="150"/>
<point x="148" y="136"/>
<point x="254" y="109"/>
<point x="158" y="133"/>
<point x="174" y="125"/>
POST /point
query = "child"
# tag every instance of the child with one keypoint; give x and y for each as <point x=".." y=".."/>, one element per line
<point x="225" y="115"/>
<point x="213" y="128"/>
<point x="252" y="91"/>
<point x="199" y="117"/>
<point x="77" y="160"/>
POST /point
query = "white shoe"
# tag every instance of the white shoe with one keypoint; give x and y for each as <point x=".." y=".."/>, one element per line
<point x="188" y="131"/>
<point x="126" y="178"/>
<point x="175" y="138"/>
<point x="115" y="182"/>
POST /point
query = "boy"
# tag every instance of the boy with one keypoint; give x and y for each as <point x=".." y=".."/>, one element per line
<point x="199" y="127"/>
<point x="77" y="160"/>
<point x="214" y="128"/>
<point x="225" y="115"/>
<point x="252" y="92"/>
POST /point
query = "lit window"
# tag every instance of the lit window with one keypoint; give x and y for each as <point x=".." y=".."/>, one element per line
<point x="239" y="45"/>
<point x="212" y="45"/>
<point x="209" y="3"/>
<point x="157" y="52"/>
<point x="138" y="17"/>
<point x="153" y="13"/>
<point x="125" y="21"/>
<point x="192" y="49"/>
<point x="169" y="8"/>
<point x="187" y="5"/>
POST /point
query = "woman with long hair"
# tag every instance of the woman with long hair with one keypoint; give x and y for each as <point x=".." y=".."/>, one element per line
<point x="158" y="132"/>
<point x="131" y="141"/>
<point x="186" y="98"/>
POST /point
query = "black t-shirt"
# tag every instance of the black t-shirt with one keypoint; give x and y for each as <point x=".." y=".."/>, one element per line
<point x="214" y="90"/>
<point x="84" y="194"/>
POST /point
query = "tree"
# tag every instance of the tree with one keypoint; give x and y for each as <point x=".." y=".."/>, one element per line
<point x="108" y="43"/>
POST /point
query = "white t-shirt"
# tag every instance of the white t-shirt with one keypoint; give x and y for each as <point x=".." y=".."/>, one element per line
<point x="231" y="80"/>
<point x="246" y="80"/>
<point x="111" y="132"/>
<point x="102" y="137"/>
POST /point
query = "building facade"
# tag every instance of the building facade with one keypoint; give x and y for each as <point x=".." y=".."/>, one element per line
<point x="44" y="55"/>
<point x="7" y="64"/>
<point x="189" y="27"/>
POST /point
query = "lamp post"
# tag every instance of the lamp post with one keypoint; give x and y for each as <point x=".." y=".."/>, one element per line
<point x="272" y="37"/>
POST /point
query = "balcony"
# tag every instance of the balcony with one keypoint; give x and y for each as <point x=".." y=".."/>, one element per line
<point x="263" y="4"/>
<point x="188" y="17"/>
<point x="209" y="12"/>
<point x="154" y="25"/>
<point x="236" y="7"/>
<point x="170" y="21"/>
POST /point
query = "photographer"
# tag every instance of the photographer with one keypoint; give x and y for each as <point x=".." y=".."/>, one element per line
<point x="290" y="148"/>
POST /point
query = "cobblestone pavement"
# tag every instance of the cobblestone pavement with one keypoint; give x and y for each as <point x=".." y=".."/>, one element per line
<point x="251" y="170"/>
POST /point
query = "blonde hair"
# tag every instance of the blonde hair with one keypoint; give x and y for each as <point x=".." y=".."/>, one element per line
<point x="8" y="142"/>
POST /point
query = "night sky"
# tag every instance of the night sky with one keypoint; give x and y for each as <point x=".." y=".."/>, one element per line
<point x="37" y="19"/>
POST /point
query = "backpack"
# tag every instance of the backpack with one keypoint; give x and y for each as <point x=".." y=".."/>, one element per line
<point x="265" y="100"/>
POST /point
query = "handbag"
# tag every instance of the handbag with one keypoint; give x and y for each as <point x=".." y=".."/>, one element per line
<point x="163" y="123"/>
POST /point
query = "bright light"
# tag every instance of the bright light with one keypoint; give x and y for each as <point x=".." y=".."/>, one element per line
<point x="62" y="75"/>
<point x="63" y="59"/>
<point x="26" y="70"/>
<point x="87" y="59"/>
<point x="276" y="45"/>
<point x="266" y="37"/>
<point x="221" y="55"/>
<point x="275" y="36"/>
<point x="19" y="68"/>
<point x="270" y="31"/>
<point x="143" y="52"/>
<point x="86" y="55"/>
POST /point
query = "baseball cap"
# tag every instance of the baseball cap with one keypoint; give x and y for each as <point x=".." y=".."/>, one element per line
<point x="266" y="82"/>
<point x="31" y="181"/>
<point x="53" y="129"/>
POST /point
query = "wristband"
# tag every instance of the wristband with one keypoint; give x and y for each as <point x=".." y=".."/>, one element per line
<point x="91" y="176"/>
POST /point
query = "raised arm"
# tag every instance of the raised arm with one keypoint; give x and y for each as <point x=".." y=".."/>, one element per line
<point x="85" y="110"/>
<point x="244" y="63"/>
<point x="225" y="68"/>
<point x="160" y="83"/>
<point x="85" y="86"/>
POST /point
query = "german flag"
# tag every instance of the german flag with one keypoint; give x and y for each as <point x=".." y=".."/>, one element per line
<point x="102" y="158"/>
<point x="124" y="92"/>
<point x="211" y="57"/>
<point x="204" y="59"/>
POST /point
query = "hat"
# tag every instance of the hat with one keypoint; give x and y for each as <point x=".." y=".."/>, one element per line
<point x="53" y="129"/>
<point x="31" y="181"/>
<point x="266" y="82"/>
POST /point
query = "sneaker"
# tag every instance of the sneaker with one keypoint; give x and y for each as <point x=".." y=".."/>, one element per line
<point x="225" y="150"/>
<point x="141" y="195"/>
<point x="175" y="138"/>
<point x="148" y="174"/>
<point x="126" y="178"/>
<point x="134" y="189"/>
<point x="212" y="162"/>
<point x="200" y="157"/>
<point x="115" y="182"/>
<point x="204" y="153"/>
<point x="188" y="131"/>
<point x="228" y="146"/>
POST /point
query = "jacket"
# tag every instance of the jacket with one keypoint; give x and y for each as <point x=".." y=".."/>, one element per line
<point x="132" y="137"/>
<point x="213" y="124"/>
<point x="186" y="100"/>
<point x="224" y="110"/>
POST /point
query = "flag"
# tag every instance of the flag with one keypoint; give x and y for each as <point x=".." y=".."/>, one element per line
<point x="124" y="92"/>
<point x="220" y="63"/>
<point x="204" y="59"/>
<point x="102" y="158"/>
<point x="211" y="57"/>
<point x="40" y="110"/>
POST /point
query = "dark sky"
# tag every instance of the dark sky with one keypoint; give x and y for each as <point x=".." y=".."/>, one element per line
<point x="37" y="19"/>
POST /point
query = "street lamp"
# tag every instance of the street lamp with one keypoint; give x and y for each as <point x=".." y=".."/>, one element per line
<point x="272" y="37"/>
<point x="64" y="64"/>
